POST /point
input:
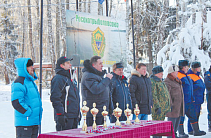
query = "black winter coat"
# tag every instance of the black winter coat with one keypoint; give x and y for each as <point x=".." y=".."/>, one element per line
<point x="64" y="95"/>
<point x="141" y="94"/>
<point x="120" y="93"/>
<point x="94" y="88"/>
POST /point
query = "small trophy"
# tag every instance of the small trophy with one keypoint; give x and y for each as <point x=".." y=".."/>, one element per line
<point x="84" y="111"/>
<point x="136" y="112"/>
<point x="128" y="113"/>
<point x="104" y="113"/>
<point x="94" y="112"/>
<point x="117" y="113"/>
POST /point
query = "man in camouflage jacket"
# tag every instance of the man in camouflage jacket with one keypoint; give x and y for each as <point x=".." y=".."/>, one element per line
<point x="160" y="94"/>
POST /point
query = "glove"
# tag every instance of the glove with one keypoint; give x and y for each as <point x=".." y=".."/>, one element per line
<point x="158" y="111"/>
<point x="61" y="120"/>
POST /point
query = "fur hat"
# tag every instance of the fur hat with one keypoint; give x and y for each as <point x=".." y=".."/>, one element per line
<point x="195" y="65"/>
<point x="157" y="69"/>
<point x="183" y="63"/>
<point x="173" y="68"/>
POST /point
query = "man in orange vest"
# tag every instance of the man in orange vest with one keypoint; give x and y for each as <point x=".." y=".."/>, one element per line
<point x="189" y="99"/>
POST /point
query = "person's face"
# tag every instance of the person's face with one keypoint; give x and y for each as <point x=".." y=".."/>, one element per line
<point x="119" y="71"/>
<point x="98" y="65"/>
<point x="66" y="66"/>
<point x="30" y="70"/>
<point x="198" y="69"/>
<point x="142" y="70"/>
<point x="159" y="75"/>
<point x="174" y="74"/>
<point x="185" y="69"/>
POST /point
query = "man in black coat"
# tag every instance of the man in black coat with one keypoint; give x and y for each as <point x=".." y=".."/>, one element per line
<point x="65" y="97"/>
<point x="140" y="89"/>
<point x="95" y="88"/>
<point x="120" y="91"/>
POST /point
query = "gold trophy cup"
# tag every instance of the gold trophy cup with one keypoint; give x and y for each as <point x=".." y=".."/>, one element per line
<point x="117" y="113"/>
<point x="104" y="113"/>
<point x="128" y="113"/>
<point x="94" y="112"/>
<point x="84" y="111"/>
<point x="136" y="112"/>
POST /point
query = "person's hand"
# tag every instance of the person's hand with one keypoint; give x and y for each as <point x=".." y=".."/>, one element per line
<point x="158" y="111"/>
<point x="109" y="75"/>
<point x="61" y="120"/>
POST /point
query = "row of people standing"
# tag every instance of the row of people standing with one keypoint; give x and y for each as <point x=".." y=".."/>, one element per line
<point x="150" y="93"/>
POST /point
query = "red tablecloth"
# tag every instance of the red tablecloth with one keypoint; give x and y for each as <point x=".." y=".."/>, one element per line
<point x="143" y="130"/>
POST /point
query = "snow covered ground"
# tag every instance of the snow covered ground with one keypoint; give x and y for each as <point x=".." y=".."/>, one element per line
<point x="7" y="129"/>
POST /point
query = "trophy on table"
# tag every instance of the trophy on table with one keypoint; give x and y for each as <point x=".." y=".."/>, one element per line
<point x="104" y="113"/>
<point x="84" y="111"/>
<point x="136" y="112"/>
<point x="94" y="112"/>
<point x="128" y="113"/>
<point x="117" y="113"/>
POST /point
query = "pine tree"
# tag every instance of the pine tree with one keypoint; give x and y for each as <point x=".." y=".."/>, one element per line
<point x="8" y="45"/>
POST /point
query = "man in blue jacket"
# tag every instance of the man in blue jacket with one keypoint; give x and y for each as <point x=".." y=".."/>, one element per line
<point x="207" y="81"/>
<point x="198" y="90"/>
<point x="65" y="97"/>
<point x="190" y="112"/>
<point x="26" y="100"/>
<point x="95" y="88"/>
<point x="120" y="91"/>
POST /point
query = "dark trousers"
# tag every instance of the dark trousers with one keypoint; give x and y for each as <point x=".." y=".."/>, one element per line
<point x="27" y="131"/>
<point x="71" y="123"/>
<point x="197" y="109"/>
<point x="99" y="121"/>
<point x="175" y="122"/>
<point x="208" y="96"/>
<point x="190" y="113"/>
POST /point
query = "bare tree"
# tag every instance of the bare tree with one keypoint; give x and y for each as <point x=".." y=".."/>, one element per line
<point x="30" y="29"/>
<point x="50" y="36"/>
<point x="58" y="19"/>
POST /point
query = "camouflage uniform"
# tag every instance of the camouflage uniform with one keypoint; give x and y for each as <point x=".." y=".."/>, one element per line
<point x="160" y="98"/>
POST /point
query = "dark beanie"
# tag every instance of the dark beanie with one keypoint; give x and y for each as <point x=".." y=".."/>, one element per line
<point x="157" y="69"/>
<point x="195" y="65"/>
<point x="29" y="63"/>
<point x="183" y="63"/>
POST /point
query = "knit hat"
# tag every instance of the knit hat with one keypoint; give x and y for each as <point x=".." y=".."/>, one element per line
<point x="62" y="60"/>
<point x="183" y="63"/>
<point x="29" y="63"/>
<point x="195" y="65"/>
<point x="173" y="68"/>
<point x="157" y="69"/>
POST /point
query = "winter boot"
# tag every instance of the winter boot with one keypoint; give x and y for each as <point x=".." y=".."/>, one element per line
<point x="181" y="132"/>
<point x="196" y="131"/>
<point x="190" y="133"/>
<point x="209" y="126"/>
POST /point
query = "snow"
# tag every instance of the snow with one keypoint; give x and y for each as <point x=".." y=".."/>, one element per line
<point x="186" y="45"/>
<point x="7" y="129"/>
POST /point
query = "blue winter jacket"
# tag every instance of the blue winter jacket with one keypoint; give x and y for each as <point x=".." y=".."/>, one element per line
<point x="207" y="81"/>
<point x="198" y="87"/>
<point x="120" y="93"/>
<point x="25" y="96"/>
<point x="187" y="85"/>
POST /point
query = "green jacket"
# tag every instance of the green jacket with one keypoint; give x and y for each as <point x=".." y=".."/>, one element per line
<point x="160" y="95"/>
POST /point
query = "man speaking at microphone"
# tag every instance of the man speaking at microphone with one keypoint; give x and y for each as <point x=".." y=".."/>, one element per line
<point x="95" y="88"/>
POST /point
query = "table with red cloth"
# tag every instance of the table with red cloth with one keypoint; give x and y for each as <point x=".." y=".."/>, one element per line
<point x="143" y="130"/>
